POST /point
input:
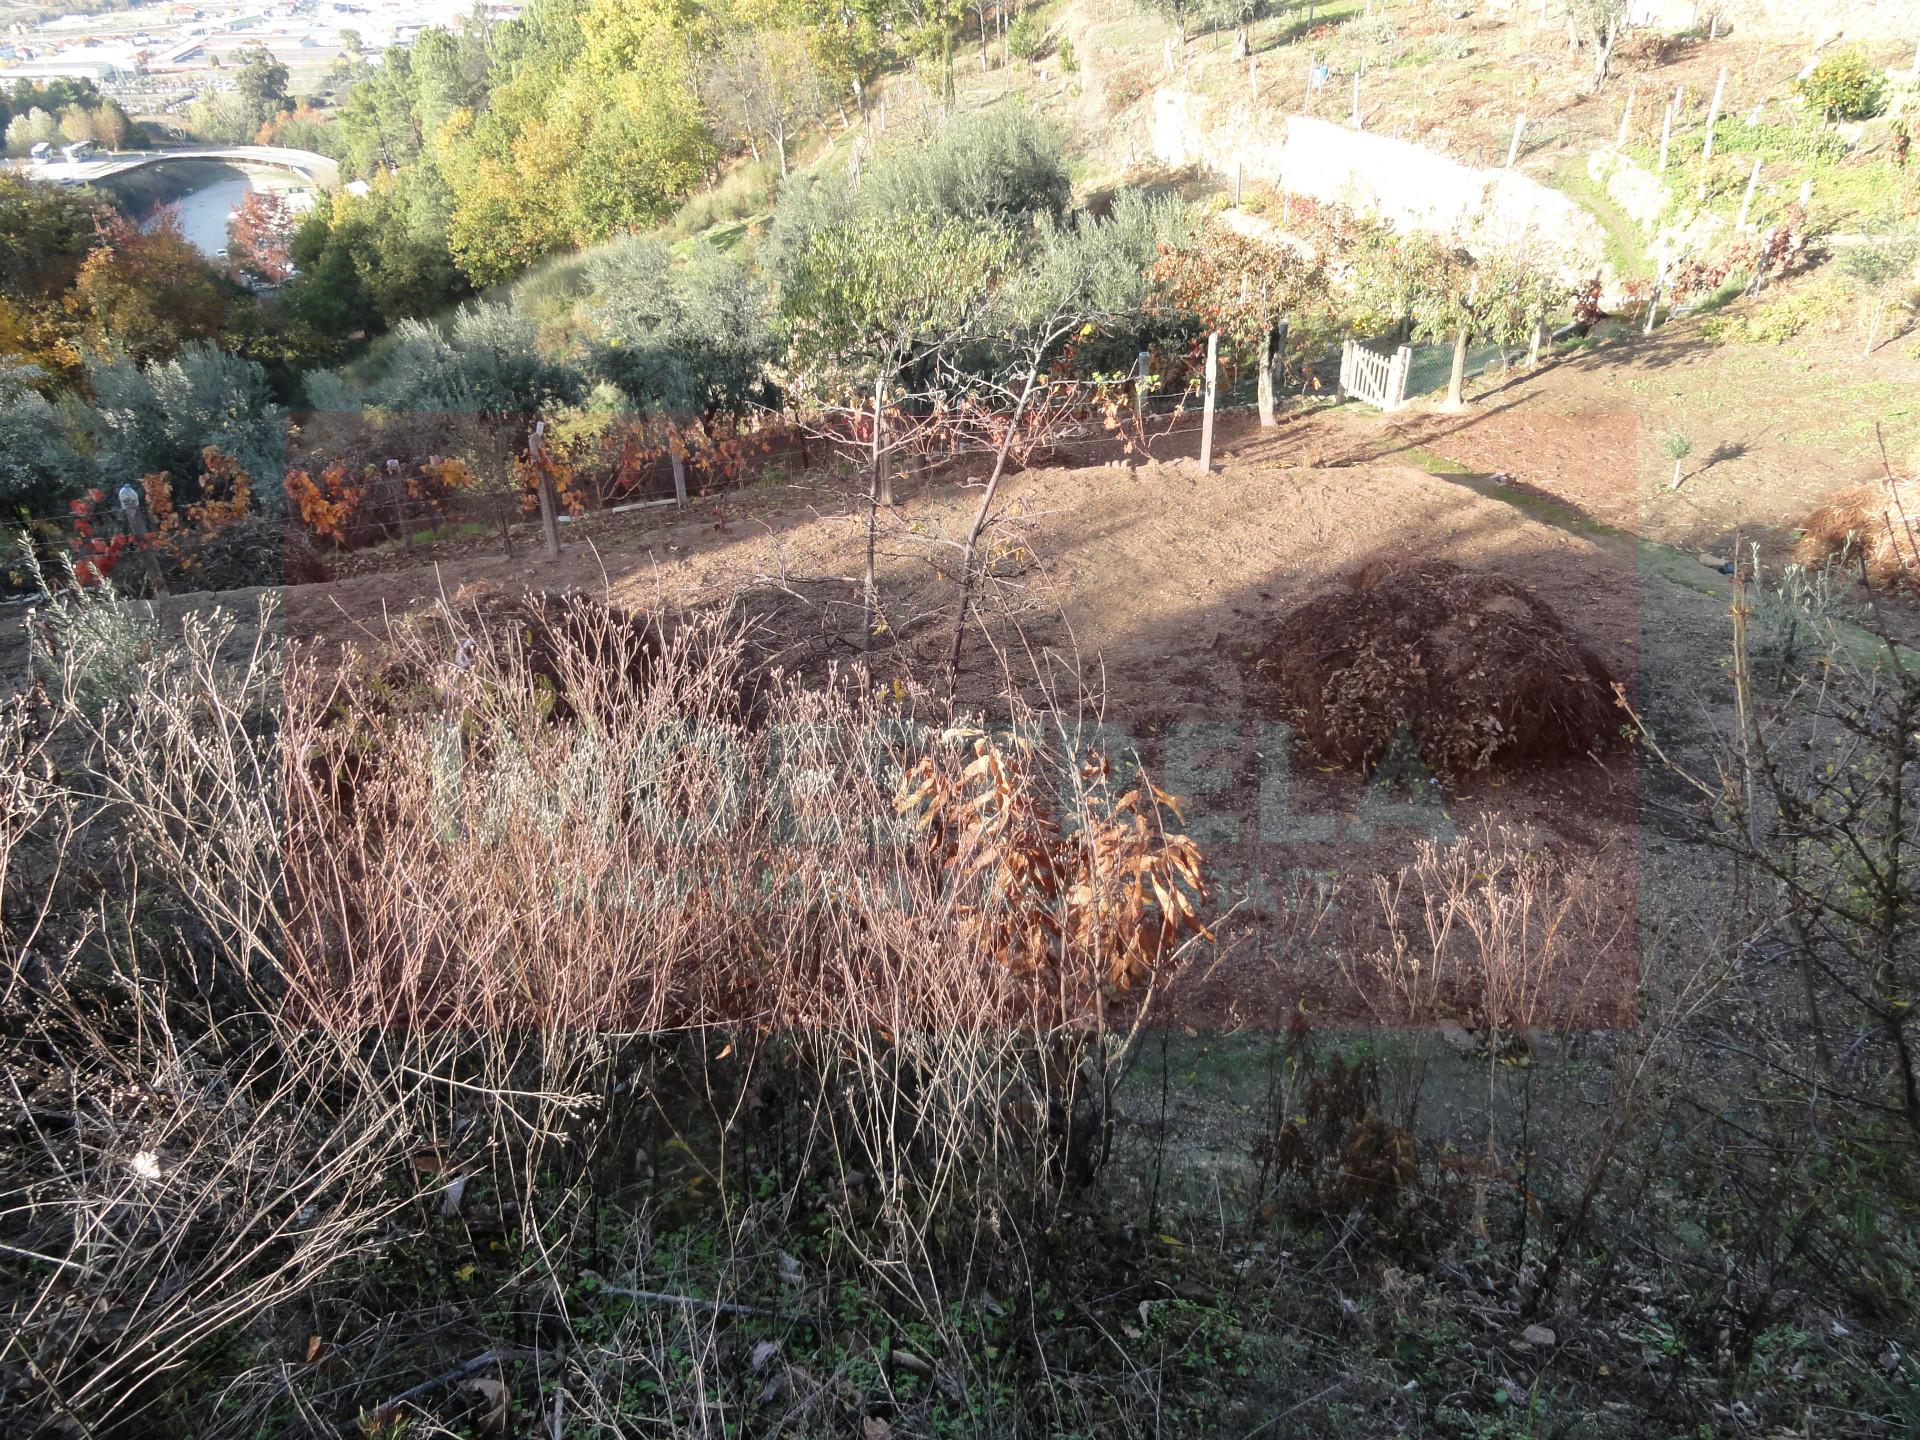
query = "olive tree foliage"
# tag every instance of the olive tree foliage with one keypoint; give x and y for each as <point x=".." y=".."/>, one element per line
<point x="1100" y="263"/>
<point x="1005" y="165"/>
<point x="39" y="463"/>
<point x="679" y="337"/>
<point x="487" y="361"/>
<point x="1597" y="25"/>
<point x="161" y="417"/>
<point x="879" y="301"/>
<point x="871" y="296"/>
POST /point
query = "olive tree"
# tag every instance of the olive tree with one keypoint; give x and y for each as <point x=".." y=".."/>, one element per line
<point x="874" y="300"/>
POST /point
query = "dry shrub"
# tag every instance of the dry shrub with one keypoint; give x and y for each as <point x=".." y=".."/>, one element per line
<point x="1873" y="526"/>
<point x="1124" y="88"/>
<point x="286" y="1015"/>
<point x="1491" y="931"/>
<point x="1473" y="667"/>
<point x="1649" y="49"/>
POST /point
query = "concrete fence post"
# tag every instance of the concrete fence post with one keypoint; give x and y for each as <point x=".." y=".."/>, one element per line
<point x="1713" y="110"/>
<point x="1746" y="201"/>
<point x="1213" y="385"/>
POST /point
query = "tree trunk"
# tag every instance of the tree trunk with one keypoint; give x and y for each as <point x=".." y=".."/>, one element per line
<point x="1456" y="384"/>
<point x="780" y="148"/>
<point x="973" y="539"/>
<point x="1272" y="353"/>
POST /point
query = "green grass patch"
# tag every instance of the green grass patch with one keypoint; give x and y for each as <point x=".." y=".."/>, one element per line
<point x="1626" y="247"/>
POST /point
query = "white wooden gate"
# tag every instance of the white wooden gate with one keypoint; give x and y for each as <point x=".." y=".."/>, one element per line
<point x="1375" y="378"/>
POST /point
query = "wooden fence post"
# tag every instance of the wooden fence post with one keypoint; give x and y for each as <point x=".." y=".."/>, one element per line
<point x="1519" y="127"/>
<point x="549" y="521"/>
<point x="1213" y="385"/>
<point x="1397" y="376"/>
<point x="679" y="474"/>
<point x="1626" y="116"/>
<point x="1666" y="137"/>
<point x="136" y="519"/>
<point x="1356" y="99"/>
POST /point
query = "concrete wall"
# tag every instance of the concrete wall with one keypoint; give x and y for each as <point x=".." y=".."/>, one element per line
<point x="1414" y="187"/>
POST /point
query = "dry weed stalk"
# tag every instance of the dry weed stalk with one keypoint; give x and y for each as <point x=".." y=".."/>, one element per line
<point x="1490" y="932"/>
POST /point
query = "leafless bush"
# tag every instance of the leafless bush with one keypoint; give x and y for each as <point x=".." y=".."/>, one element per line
<point x="367" y="940"/>
<point x="1489" y="932"/>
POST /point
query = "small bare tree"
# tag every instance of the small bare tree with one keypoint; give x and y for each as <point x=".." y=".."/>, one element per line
<point x="764" y="85"/>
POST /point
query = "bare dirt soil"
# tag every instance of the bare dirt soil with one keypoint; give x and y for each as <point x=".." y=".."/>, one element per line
<point x="1140" y="594"/>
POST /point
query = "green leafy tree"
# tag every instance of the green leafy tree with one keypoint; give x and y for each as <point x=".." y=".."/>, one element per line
<point x="160" y="417"/>
<point x="1844" y="87"/>
<point x="259" y="89"/>
<point x="46" y="231"/>
<point x="366" y="262"/>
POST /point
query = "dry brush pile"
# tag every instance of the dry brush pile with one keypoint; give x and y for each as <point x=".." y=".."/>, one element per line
<point x="1473" y="667"/>
<point x="1872" y="529"/>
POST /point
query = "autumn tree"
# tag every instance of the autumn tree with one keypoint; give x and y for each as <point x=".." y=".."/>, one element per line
<point x="260" y="236"/>
<point x="763" y="84"/>
<point x="33" y="127"/>
<point x="148" y="292"/>
<point x="1247" y="287"/>
<point x="76" y="125"/>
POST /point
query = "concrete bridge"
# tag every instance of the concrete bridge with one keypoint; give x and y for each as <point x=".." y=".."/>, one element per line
<point x="317" y="170"/>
